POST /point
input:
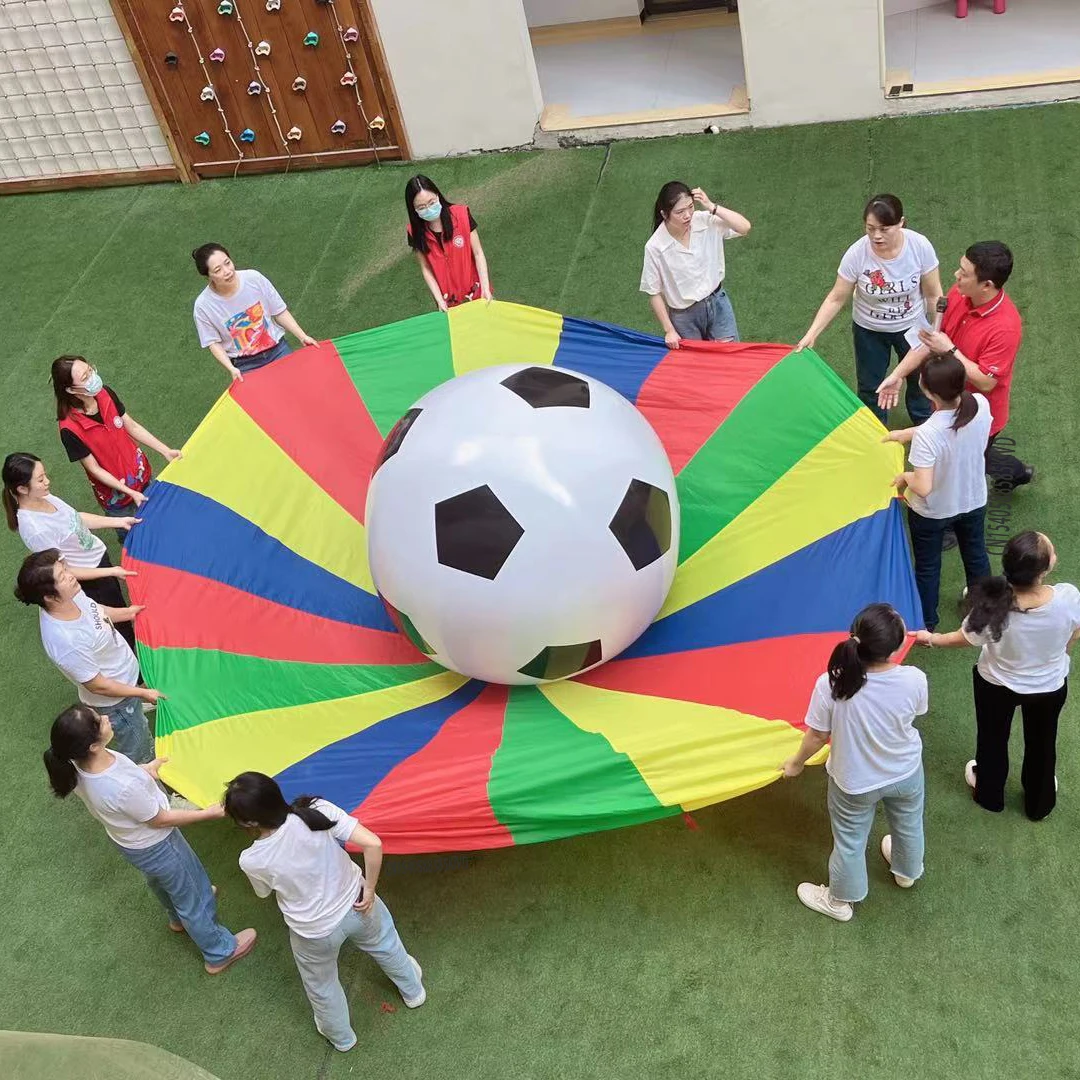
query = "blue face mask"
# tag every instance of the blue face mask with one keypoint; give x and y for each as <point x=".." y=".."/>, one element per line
<point x="430" y="213"/>
<point x="93" y="385"/>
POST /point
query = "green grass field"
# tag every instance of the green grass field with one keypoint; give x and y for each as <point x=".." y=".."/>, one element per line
<point x="658" y="951"/>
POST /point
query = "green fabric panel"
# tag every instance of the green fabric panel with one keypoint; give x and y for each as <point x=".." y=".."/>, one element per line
<point x="550" y="779"/>
<point x="206" y="684"/>
<point x="393" y="366"/>
<point x="710" y="494"/>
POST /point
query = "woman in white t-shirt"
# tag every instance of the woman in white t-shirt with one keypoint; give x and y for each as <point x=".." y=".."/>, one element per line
<point x="946" y="485"/>
<point x="323" y="896"/>
<point x="44" y="521"/>
<point x="891" y="276"/>
<point x="241" y="318"/>
<point x="1023" y="628"/>
<point x="867" y="705"/>
<point x="130" y="803"/>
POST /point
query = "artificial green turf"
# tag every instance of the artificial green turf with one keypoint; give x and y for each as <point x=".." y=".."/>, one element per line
<point x="658" y="950"/>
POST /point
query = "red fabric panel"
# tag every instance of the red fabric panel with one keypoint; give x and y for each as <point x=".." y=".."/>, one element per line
<point x="691" y="391"/>
<point x="193" y="612"/>
<point x="311" y="394"/>
<point x="446" y="781"/>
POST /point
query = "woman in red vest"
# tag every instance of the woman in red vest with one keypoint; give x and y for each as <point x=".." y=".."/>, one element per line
<point x="443" y="235"/>
<point x="99" y="433"/>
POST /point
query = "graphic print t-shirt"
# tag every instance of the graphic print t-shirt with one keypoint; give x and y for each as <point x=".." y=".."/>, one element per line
<point x="888" y="295"/>
<point x="244" y="322"/>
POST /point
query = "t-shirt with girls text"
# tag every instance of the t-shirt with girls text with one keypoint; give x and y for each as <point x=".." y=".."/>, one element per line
<point x="874" y="742"/>
<point x="123" y="798"/>
<point x="888" y="292"/>
<point x="243" y="324"/>
<point x="63" y="530"/>
<point x="88" y="646"/>
<point x="1031" y="657"/>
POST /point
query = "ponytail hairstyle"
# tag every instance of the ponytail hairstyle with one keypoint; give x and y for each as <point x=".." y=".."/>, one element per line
<point x="877" y="632"/>
<point x="254" y="799"/>
<point x="201" y="256"/>
<point x="73" y="732"/>
<point x="669" y="195"/>
<point x="18" y="469"/>
<point x="943" y="375"/>
<point x="888" y="209"/>
<point x="1025" y="559"/>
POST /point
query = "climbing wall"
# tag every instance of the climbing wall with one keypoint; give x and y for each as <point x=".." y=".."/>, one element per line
<point x="267" y="85"/>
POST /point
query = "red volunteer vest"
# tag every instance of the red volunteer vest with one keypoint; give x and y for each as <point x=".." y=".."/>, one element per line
<point x="113" y="449"/>
<point x="452" y="262"/>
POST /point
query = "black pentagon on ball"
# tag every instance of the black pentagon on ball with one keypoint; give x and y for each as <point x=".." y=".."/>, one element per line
<point x="546" y="388"/>
<point x="393" y="441"/>
<point x="475" y="533"/>
<point x="562" y="661"/>
<point x="407" y="627"/>
<point x="642" y="524"/>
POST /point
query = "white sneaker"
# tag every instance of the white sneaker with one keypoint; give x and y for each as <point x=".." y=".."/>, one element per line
<point x="818" y="898"/>
<point x="969" y="774"/>
<point x="416" y="1002"/>
<point x="886" y="851"/>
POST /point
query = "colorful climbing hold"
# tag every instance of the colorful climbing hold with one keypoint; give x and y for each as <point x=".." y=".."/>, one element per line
<point x="348" y="79"/>
<point x="263" y="48"/>
<point x="203" y="138"/>
<point x="207" y="93"/>
<point x="299" y="84"/>
<point x="351" y="34"/>
<point x="177" y="14"/>
<point x="217" y="55"/>
<point x="254" y="88"/>
<point x="311" y="38"/>
<point x="247" y="135"/>
<point x="376" y="124"/>
<point x="273" y="5"/>
<point x="225" y="7"/>
<point x="293" y="134"/>
<point x="337" y="127"/>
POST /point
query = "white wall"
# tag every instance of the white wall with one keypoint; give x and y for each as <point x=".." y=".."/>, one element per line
<point x="811" y="62"/>
<point x="70" y="97"/>
<point x="476" y="89"/>
<point x="554" y="12"/>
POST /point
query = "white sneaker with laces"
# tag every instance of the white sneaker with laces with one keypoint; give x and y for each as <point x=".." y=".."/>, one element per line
<point x="416" y="1002"/>
<point x="818" y="898"/>
<point x="969" y="774"/>
<point x="886" y="851"/>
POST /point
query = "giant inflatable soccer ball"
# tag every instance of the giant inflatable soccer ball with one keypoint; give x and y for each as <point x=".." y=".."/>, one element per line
<point x="523" y="524"/>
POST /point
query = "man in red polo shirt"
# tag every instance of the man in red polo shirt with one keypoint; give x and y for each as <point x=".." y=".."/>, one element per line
<point x="982" y="326"/>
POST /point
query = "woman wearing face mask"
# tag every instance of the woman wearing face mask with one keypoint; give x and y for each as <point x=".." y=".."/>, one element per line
<point x="683" y="273"/>
<point x="241" y="318"/>
<point x="891" y="277"/>
<point x="1024" y="629"/>
<point x="99" y="433"/>
<point x="45" y="521"/>
<point x="443" y="235"/>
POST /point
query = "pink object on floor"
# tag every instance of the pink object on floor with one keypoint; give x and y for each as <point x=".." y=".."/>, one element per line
<point x="962" y="8"/>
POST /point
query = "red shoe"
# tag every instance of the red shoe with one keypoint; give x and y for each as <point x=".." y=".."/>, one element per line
<point x="245" y="942"/>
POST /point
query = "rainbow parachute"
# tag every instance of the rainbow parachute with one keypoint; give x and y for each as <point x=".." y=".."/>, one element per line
<point x="263" y="627"/>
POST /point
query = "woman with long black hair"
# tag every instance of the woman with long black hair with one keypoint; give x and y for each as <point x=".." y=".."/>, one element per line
<point x="946" y="484"/>
<point x="684" y="269"/>
<point x="325" y="899"/>
<point x="447" y="245"/>
<point x="1023" y="628"/>
<point x="866" y="704"/>
<point x="130" y="803"/>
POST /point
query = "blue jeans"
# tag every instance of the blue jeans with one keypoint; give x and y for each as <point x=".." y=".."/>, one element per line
<point x="851" y="817"/>
<point x="260" y="359"/>
<point x="872" y="351"/>
<point x="178" y="880"/>
<point x="711" y="319"/>
<point x="131" y="730"/>
<point x="316" y="960"/>
<point x="926" y="540"/>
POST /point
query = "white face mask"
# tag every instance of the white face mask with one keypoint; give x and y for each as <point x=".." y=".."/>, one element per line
<point x="430" y="213"/>
<point x="93" y="385"/>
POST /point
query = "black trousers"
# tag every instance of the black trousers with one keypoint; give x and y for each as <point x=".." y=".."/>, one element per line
<point x="107" y="591"/>
<point x="994" y="708"/>
<point x="1003" y="469"/>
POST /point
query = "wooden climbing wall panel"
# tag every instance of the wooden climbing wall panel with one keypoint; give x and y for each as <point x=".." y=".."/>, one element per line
<point x="266" y="85"/>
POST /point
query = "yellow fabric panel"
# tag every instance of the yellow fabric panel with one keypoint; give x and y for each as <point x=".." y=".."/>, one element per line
<point x="483" y="335"/>
<point x="270" y="740"/>
<point x="231" y="460"/>
<point x="689" y="754"/>
<point x="847" y="476"/>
